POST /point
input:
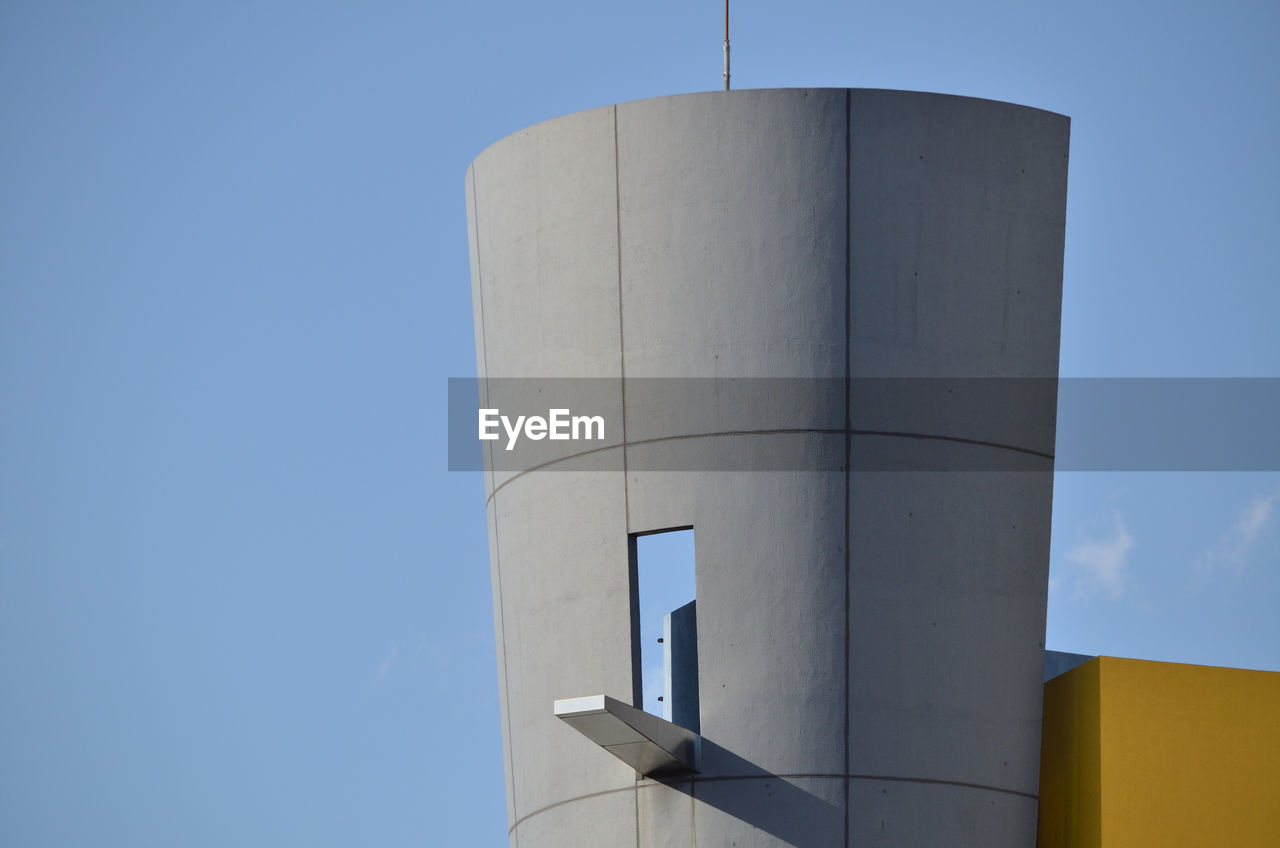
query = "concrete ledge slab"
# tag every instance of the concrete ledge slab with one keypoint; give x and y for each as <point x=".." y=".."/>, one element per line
<point x="648" y="744"/>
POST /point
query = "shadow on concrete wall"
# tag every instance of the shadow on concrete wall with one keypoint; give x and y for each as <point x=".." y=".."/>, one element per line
<point x="762" y="799"/>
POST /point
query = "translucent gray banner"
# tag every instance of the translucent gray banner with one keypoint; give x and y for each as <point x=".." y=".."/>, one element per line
<point x="864" y="424"/>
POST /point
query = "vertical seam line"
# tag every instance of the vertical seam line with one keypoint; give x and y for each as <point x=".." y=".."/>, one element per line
<point x="848" y="435"/>
<point x="497" y="545"/>
<point x="622" y="340"/>
<point x="693" y="812"/>
<point x="622" y="384"/>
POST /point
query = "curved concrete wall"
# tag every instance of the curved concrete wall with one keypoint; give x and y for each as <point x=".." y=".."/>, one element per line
<point x="870" y="642"/>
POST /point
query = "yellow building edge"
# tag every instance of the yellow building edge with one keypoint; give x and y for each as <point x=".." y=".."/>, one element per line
<point x="1137" y="753"/>
<point x="1070" y="771"/>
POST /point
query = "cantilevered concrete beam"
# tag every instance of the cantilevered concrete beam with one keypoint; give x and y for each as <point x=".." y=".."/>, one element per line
<point x="648" y="744"/>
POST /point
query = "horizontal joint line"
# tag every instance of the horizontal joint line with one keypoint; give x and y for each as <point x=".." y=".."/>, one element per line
<point x="821" y="431"/>
<point x="695" y="779"/>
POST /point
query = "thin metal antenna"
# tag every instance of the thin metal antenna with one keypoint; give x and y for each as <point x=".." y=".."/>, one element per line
<point x="726" y="45"/>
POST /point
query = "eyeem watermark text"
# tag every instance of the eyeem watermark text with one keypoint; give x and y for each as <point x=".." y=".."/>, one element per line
<point x="559" y="425"/>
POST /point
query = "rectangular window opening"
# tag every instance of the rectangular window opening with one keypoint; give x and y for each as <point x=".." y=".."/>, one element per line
<point x="664" y="630"/>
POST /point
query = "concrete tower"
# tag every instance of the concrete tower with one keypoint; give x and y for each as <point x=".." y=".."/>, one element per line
<point x="869" y="638"/>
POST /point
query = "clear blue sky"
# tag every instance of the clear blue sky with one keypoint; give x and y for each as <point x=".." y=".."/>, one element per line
<point x="242" y="602"/>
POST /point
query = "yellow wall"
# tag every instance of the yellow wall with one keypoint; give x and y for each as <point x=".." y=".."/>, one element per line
<point x="1139" y="753"/>
<point x="1070" y="770"/>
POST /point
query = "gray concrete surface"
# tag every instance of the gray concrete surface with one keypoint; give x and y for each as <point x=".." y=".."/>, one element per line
<point x="870" y="643"/>
<point x="680" y="667"/>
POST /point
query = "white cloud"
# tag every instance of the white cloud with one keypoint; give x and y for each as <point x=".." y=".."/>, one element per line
<point x="1239" y="538"/>
<point x="387" y="661"/>
<point x="1102" y="564"/>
